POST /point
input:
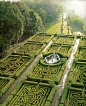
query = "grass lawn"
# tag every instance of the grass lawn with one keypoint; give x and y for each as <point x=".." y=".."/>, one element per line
<point x="55" y="27"/>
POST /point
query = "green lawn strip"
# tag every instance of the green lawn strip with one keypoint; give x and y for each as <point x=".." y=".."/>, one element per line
<point x="6" y="85"/>
<point x="53" y="29"/>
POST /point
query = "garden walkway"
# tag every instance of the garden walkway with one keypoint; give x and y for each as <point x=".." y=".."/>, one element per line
<point x="16" y="82"/>
<point x="60" y="87"/>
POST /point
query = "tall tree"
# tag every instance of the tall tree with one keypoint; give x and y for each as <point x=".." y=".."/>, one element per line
<point x="11" y="24"/>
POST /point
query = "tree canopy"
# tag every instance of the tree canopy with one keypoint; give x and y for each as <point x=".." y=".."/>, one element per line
<point x="76" y="22"/>
<point x="11" y="24"/>
<point x="25" y="17"/>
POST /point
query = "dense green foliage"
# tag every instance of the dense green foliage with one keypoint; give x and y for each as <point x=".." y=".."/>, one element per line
<point x="47" y="9"/>
<point x="11" y="24"/>
<point x="22" y="18"/>
<point x="76" y="22"/>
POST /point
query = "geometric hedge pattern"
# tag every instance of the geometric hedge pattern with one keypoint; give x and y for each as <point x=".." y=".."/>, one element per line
<point x="54" y="48"/>
<point x="30" y="95"/>
<point x="83" y="53"/>
<point x="29" y="48"/>
<point x="64" y="40"/>
<point x="39" y="38"/>
<point x="64" y="50"/>
<point x="83" y="42"/>
<point x="61" y="49"/>
<point x="75" y="99"/>
<point x="3" y="83"/>
<point x="41" y="71"/>
<point x="12" y="65"/>
<point x="80" y="73"/>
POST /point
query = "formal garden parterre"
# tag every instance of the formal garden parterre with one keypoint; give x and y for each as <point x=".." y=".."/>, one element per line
<point x="75" y="91"/>
<point x="63" y="50"/>
<point x="42" y="71"/>
<point x="83" y="41"/>
<point x="5" y="83"/>
<point x="69" y="40"/>
<point x="41" y="37"/>
<point x="14" y="65"/>
<point x="30" y="93"/>
<point x="30" y="49"/>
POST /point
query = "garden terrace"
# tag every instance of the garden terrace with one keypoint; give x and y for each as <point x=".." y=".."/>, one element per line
<point x="65" y="40"/>
<point x="41" y="37"/>
<point x="14" y="65"/>
<point x="5" y="83"/>
<point x="30" y="49"/>
<point x="29" y="93"/>
<point x="44" y="72"/>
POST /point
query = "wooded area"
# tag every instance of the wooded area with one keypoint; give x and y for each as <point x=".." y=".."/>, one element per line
<point x="24" y="18"/>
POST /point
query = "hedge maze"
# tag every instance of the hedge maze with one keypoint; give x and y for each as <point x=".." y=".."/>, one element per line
<point x="83" y="42"/>
<point x="30" y="48"/>
<point x="29" y="93"/>
<point x="64" y="50"/>
<point x="44" y="38"/>
<point x="5" y="83"/>
<point x="53" y="48"/>
<point x="65" y="40"/>
<point x="75" y="90"/>
<point x="75" y="98"/>
<point x="12" y="65"/>
<point x="38" y="87"/>
<point x="46" y="72"/>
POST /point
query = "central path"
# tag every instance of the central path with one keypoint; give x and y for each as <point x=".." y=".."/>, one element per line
<point x="16" y="82"/>
<point x="60" y="87"/>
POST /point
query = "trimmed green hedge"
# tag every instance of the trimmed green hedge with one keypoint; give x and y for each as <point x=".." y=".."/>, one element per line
<point x="52" y="93"/>
<point x="5" y="88"/>
<point x="14" y="65"/>
<point x="76" y="89"/>
<point x="77" y="85"/>
<point x="4" y="59"/>
<point x="45" y="88"/>
<point x="64" y="95"/>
